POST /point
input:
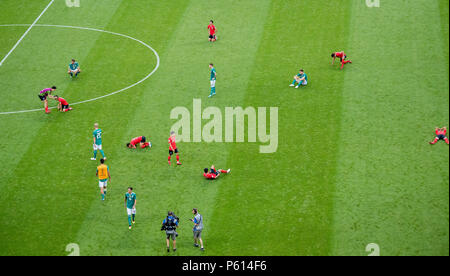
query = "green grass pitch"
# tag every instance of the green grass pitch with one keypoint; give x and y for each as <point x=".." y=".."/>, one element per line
<point x="353" y="164"/>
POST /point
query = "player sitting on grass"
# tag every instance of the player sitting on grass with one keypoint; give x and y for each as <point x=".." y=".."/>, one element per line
<point x="440" y="135"/>
<point x="342" y="56"/>
<point x="142" y="142"/>
<point x="300" y="79"/>
<point x="213" y="174"/>
<point x="63" y="105"/>
<point x="74" y="69"/>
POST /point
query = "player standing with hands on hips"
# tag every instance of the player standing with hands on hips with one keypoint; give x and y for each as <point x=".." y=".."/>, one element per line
<point x="198" y="227"/>
<point x="212" y="80"/>
<point x="212" y="31"/>
<point x="130" y="204"/>
<point x="97" y="142"/>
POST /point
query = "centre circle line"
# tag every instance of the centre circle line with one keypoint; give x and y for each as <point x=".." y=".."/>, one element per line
<point x="96" y="30"/>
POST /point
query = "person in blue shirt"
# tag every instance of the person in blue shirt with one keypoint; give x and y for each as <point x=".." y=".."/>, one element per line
<point x="170" y="224"/>
<point x="198" y="227"/>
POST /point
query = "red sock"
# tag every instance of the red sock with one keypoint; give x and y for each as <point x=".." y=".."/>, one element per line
<point x="435" y="141"/>
<point x="446" y="140"/>
<point x="46" y="109"/>
<point x="178" y="158"/>
<point x="223" y="171"/>
<point x="344" y="62"/>
<point x="169" y="158"/>
<point x="143" y="145"/>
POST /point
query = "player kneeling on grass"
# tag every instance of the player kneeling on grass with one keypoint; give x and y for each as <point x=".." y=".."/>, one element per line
<point x="74" y="69"/>
<point x="300" y="79"/>
<point x="440" y="135"/>
<point x="142" y="142"/>
<point x="342" y="56"/>
<point x="63" y="105"/>
<point x="213" y="173"/>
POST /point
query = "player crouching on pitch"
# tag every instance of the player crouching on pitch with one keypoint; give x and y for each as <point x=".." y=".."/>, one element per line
<point x="63" y="105"/>
<point x="142" y="142"/>
<point x="214" y="174"/>
<point x="300" y="79"/>
<point x="74" y="69"/>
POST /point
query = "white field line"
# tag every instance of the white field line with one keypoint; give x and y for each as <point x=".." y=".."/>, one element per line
<point x="27" y="31"/>
<point x="97" y="30"/>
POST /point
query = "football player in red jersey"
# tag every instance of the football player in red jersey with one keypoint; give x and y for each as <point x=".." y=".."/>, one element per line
<point x="213" y="173"/>
<point x="440" y="135"/>
<point x="142" y="142"/>
<point x="173" y="147"/>
<point x="63" y="105"/>
<point x="212" y="31"/>
<point x="342" y="56"/>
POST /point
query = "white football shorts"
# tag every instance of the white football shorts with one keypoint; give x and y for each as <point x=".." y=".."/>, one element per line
<point x="102" y="184"/>
<point x="97" y="147"/>
<point x="131" y="211"/>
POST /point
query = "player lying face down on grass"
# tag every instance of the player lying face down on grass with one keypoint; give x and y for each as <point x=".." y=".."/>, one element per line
<point x="213" y="173"/>
<point x="440" y="135"/>
<point x="342" y="56"/>
<point x="43" y="96"/>
<point x="63" y="105"/>
<point x="141" y="140"/>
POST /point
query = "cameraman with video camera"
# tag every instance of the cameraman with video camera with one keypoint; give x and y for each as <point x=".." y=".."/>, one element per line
<point x="170" y="224"/>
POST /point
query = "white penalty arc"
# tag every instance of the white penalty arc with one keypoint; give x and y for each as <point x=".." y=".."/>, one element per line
<point x="95" y="30"/>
